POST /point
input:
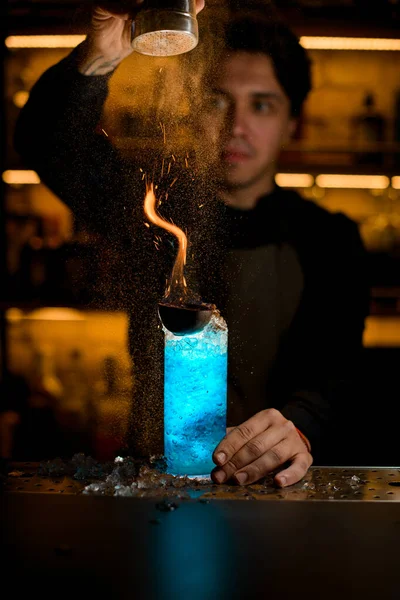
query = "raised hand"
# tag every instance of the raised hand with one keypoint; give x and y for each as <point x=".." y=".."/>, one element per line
<point x="109" y="39"/>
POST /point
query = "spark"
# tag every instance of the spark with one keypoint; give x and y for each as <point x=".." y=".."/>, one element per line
<point x="174" y="181"/>
<point x="169" y="168"/>
<point x="163" y="131"/>
<point x="162" y="168"/>
<point x="147" y="225"/>
<point x="105" y="132"/>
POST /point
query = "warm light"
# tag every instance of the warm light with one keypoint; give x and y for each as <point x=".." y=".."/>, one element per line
<point x="21" y="177"/>
<point x="20" y="98"/>
<point x="368" y="182"/>
<point x="44" y="41"/>
<point x="396" y="182"/>
<point x="46" y="314"/>
<point x="381" y="332"/>
<point x="14" y="315"/>
<point x="309" y="42"/>
<point x="295" y="180"/>
<point x="349" y="43"/>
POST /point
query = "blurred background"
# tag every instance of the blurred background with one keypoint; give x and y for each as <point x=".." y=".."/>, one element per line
<point x="65" y="372"/>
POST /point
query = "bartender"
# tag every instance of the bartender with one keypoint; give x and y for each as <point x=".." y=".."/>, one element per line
<point x="287" y="275"/>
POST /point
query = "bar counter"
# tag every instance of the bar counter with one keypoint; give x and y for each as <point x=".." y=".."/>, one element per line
<point x="335" y="534"/>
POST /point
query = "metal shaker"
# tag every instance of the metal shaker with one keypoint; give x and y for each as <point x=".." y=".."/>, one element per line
<point x="166" y="28"/>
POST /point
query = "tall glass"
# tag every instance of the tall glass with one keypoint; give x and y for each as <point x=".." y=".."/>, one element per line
<point x="195" y="397"/>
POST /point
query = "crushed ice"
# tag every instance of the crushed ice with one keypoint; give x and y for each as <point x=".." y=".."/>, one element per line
<point x="125" y="477"/>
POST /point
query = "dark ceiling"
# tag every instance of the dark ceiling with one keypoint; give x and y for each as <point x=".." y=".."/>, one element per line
<point x="318" y="17"/>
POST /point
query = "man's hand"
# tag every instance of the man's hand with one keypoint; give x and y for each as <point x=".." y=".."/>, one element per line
<point x="109" y="39"/>
<point x="259" y="446"/>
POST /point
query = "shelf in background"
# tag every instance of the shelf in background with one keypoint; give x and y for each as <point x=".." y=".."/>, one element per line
<point x="334" y="17"/>
<point x="341" y="157"/>
<point x="381" y="331"/>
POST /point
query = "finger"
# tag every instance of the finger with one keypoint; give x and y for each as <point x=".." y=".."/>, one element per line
<point x="297" y="470"/>
<point x="268" y="462"/>
<point x="267" y="441"/>
<point x="199" y="5"/>
<point x="104" y="15"/>
<point x="243" y="434"/>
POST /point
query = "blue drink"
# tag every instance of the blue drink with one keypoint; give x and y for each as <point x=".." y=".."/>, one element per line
<point x="195" y="397"/>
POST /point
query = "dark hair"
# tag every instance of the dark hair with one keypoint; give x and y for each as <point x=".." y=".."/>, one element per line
<point x="273" y="37"/>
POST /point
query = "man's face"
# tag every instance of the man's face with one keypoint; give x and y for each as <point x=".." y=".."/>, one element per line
<point x="245" y="122"/>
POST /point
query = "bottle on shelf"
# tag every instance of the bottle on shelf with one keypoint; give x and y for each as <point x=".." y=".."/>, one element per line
<point x="77" y="412"/>
<point x="113" y="402"/>
<point x="369" y="128"/>
<point x="46" y="386"/>
<point x="40" y="434"/>
<point x="396" y="128"/>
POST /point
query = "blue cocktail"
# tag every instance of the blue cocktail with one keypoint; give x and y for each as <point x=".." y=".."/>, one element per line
<point x="195" y="397"/>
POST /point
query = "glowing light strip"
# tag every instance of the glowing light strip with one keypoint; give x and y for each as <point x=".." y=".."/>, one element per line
<point x="381" y="331"/>
<point x="21" y="177"/>
<point x="309" y="42"/>
<point x="296" y="180"/>
<point x="15" y="315"/>
<point x="43" y="41"/>
<point x="349" y="43"/>
<point x="368" y="182"/>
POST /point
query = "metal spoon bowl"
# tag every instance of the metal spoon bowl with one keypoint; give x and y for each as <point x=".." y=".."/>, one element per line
<point x="185" y="319"/>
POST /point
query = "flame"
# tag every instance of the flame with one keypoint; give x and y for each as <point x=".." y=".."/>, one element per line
<point x="177" y="288"/>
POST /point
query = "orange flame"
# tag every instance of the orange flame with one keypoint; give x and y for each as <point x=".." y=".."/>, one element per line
<point x="177" y="287"/>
